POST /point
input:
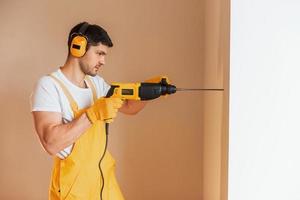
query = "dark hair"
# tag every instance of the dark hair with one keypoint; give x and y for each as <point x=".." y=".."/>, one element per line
<point x="94" y="33"/>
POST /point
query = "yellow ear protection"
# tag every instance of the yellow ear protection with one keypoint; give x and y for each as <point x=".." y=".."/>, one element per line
<point x="79" y="42"/>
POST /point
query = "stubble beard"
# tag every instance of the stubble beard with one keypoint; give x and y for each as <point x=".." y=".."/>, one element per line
<point x="86" y="70"/>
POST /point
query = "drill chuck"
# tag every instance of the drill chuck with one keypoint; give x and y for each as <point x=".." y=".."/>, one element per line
<point x="148" y="91"/>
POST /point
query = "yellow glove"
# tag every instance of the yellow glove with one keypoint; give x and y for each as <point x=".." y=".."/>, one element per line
<point x="104" y="109"/>
<point x="157" y="79"/>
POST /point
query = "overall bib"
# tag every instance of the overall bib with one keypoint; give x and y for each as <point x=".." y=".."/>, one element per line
<point x="88" y="173"/>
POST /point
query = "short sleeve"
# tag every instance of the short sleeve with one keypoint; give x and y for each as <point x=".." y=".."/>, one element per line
<point x="45" y="96"/>
<point x="102" y="86"/>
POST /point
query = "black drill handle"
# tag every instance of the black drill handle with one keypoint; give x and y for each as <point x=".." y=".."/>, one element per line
<point x="111" y="90"/>
<point x="109" y="94"/>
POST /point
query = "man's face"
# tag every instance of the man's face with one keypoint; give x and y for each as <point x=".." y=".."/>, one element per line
<point x="93" y="59"/>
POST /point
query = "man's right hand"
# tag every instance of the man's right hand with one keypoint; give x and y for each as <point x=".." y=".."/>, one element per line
<point x="104" y="109"/>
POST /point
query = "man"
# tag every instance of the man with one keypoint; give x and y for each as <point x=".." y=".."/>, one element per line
<point x="70" y="112"/>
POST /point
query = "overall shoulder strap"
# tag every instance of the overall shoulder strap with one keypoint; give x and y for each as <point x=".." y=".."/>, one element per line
<point x="70" y="98"/>
<point x="92" y="86"/>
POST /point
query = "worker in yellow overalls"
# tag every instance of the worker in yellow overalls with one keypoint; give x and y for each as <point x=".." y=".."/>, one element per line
<point x="70" y="111"/>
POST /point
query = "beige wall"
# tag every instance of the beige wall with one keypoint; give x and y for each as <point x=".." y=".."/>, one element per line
<point x="175" y="147"/>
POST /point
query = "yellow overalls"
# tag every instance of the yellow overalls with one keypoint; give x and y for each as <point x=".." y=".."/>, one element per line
<point x="88" y="173"/>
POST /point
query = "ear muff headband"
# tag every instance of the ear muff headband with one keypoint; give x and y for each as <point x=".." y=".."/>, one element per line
<point x="79" y="42"/>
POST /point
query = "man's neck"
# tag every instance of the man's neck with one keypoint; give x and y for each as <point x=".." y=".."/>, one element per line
<point x="73" y="73"/>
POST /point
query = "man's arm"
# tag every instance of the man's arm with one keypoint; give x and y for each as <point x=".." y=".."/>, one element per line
<point x="132" y="107"/>
<point x="53" y="134"/>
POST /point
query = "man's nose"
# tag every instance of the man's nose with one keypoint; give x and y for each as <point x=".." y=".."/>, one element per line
<point x="102" y="61"/>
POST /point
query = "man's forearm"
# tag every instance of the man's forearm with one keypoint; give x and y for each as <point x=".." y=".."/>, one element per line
<point x="132" y="107"/>
<point x="58" y="137"/>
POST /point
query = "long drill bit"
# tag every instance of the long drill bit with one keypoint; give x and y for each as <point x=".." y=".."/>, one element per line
<point x="198" y="89"/>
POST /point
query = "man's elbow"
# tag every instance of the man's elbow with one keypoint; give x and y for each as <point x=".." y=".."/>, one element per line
<point x="49" y="146"/>
<point x="50" y="149"/>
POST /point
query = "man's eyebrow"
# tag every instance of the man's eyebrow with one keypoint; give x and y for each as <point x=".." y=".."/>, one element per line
<point x="102" y="52"/>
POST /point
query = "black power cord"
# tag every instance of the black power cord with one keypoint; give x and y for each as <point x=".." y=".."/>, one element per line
<point x="101" y="172"/>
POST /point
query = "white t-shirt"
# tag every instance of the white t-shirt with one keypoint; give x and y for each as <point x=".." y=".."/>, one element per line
<point x="49" y="96"/>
